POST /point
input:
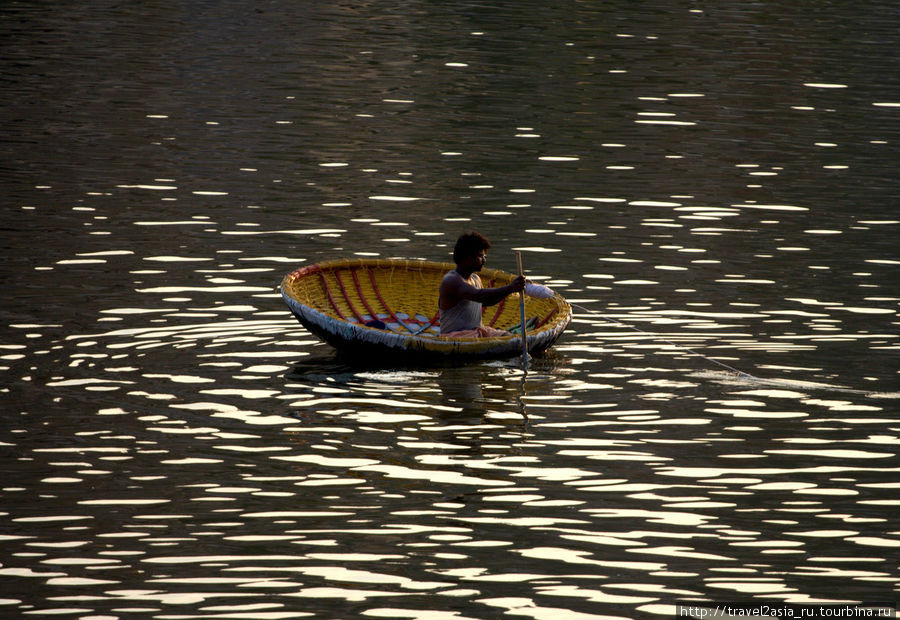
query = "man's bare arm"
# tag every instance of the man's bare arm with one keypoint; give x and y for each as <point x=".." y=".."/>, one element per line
<point x="456" y="289"/>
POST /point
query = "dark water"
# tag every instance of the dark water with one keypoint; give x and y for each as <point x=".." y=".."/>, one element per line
<point x="716" y="178"/>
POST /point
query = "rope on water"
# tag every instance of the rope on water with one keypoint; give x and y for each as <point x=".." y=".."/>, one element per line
<point x="739" y="373"/>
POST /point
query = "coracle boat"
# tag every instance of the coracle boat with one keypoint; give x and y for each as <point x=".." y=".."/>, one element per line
<point x="390" y="307"/>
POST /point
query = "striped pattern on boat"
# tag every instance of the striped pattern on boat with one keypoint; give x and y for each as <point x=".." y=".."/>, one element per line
<point x="399" y="299"/>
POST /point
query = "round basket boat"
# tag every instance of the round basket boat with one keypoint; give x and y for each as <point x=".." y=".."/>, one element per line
<point x="391" y="307"/>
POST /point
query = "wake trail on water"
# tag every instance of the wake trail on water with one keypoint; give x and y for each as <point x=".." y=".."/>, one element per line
<point x="732" y="375"/>
<point x="787" y="384"/>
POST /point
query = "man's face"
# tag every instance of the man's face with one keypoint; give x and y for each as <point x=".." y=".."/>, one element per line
<point x="480" y="259"/>
<point x="477" y="261"/>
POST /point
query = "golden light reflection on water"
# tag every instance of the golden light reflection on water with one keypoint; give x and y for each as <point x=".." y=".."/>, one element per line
<point x="177" y="447"/>
<point x="491" y="473"/>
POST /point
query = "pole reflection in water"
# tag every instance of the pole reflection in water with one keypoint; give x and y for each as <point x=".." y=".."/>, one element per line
<point x="520" y="399"/>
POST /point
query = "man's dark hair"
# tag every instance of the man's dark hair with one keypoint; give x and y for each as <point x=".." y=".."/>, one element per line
<point x="469" y="244"/>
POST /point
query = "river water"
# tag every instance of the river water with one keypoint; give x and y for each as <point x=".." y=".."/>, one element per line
<point x="713" y="184"/>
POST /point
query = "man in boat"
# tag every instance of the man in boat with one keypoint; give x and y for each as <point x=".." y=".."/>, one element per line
<point x="462" y="296"/>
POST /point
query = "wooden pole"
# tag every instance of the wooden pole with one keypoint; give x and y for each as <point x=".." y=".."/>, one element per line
<point x="522" y="315"/>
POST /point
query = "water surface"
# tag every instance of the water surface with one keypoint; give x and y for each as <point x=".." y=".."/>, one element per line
<point x="714" y="187"/>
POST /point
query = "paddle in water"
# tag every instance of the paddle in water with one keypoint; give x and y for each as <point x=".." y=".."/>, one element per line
<point x="525" y="356"/>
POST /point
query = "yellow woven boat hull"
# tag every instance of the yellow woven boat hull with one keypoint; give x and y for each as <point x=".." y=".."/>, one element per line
<point x="334" y="300"/>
